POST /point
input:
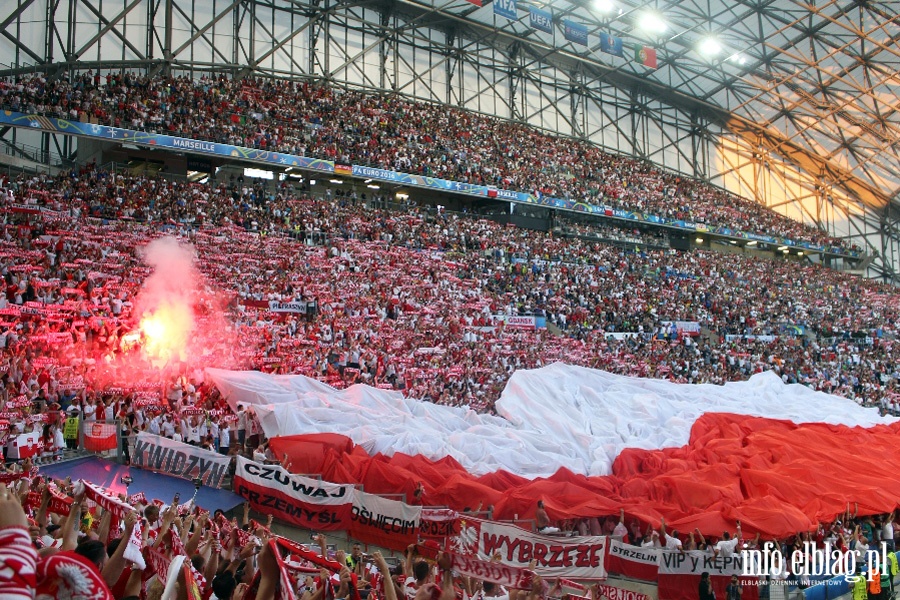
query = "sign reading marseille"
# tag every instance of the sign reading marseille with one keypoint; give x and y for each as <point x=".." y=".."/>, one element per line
<point x="575" y="32"/>
<point x="506" y="8"/>
<point x="541" y="20"/>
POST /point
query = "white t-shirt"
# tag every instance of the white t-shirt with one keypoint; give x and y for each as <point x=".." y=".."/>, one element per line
<point x="672" y="542"/>
<point x="726" y="547"/>
<point x="59" y="441"/>
<point x="887" y="532"/>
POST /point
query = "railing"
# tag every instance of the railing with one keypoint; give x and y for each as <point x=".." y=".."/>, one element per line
<point x="32" y="153"/>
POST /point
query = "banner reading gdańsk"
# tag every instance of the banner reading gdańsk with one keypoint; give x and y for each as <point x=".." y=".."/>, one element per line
<point x="679" y="574"/>
<point x="384" y="522"/>
<point x="576" y="557"/>
<point x="160" y="454"/>
<point x="632" y="561"/>
<point x="306" y="502"/>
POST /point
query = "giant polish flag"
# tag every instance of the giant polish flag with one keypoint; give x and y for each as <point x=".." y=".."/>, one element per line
<point x="303" y="501"/>
<point x="777" y="457"/>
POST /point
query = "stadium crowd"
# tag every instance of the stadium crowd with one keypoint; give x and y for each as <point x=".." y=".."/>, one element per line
<point x="350" y="127"/>
<point x="405" y="298"/>
<point x="410" y="299"/>
<point x="60" y="539"/>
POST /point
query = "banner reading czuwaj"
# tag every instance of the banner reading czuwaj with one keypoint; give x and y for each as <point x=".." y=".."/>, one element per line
<point x="303" y="501"/>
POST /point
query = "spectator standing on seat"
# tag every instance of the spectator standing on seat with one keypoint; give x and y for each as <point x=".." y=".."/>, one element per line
<point x="542" y="521"/>
<point x="241" y="425"/>
<point x="727" y="545"/>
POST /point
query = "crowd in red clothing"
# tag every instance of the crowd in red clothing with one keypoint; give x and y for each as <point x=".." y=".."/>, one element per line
<point x="387" y="131"/>
<point x="411" y="299"/>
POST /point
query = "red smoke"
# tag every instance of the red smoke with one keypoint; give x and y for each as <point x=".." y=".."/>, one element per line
<point x="179" y="319"/>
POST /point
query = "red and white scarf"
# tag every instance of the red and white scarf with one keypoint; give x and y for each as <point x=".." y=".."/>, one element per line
<point x="118" y="509"/>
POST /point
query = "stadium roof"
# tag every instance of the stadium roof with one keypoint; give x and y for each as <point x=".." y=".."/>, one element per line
<point x="815" y="82"/>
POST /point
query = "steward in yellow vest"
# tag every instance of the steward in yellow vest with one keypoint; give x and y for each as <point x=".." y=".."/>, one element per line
<point x="859" y="587"/>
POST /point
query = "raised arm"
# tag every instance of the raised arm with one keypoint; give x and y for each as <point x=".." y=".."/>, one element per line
<point x="390" y="592"/>
<point x="199" y="528"/>
<point x="116" y="563"/>
<point x="71" y="524"/>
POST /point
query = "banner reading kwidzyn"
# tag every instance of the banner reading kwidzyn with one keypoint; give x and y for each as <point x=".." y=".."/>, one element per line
<point x="576" y="557"/>
<point x="384" y="522"/>
<point x="156" y="453"/>
<point x="306" y="502"/>
<point x="680" y="572"/>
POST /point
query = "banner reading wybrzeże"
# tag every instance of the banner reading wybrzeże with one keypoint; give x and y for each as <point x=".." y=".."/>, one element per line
<point x="384" y="522"/>
<point x="576" y="557"/>
<point x="156" y="453"/>
<point x="306" y="502"/>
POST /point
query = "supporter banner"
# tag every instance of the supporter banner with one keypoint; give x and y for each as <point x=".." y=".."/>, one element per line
<point x="541" y="20"/>
<point x="575" y="32"/>
<point x="632" y="561"/>
<point x="289" y="307"/>
<point x="99" y="437"/>
<point x="156" y="140"/>
<point x="679" y="575"/>
<point x="439" y="523"/>
<point x="620" y="335"/>
<point x="506" y="8"/>
<point x="731" y="337"/>
<point x="505" y="575"/>
<point x="522" y="322"/>
<point x="610" y="592"/>
<point x="691" y="328"/>
<point x="24" y="445"/>
<point x="384" y="522"/>
<point x="156" y="453"/>
<point x="577" y="557"/>
<point x="306" y="502"/>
